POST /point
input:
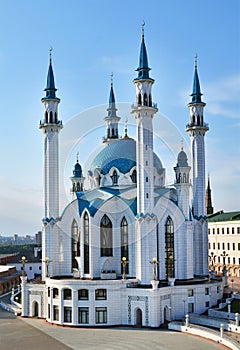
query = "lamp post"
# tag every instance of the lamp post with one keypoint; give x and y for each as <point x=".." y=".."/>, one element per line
<point x="23" y="261"/>
<point x="124" y="263"/>
<point x="232" y="280"/>
<point x="47" y="262"/>
<point x="154" y="262"/>
<point x="224" y="255"/>
<point x="211" y="260"/>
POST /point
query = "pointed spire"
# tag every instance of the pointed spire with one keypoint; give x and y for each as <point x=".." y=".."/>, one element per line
<point x="143" y="69"/>
<point x="111" y="97"/>
<point x="196" y="93"/>
<point x="209" y="207"/>
<point x="112" y="105"/>
<point x="50" y="88"/>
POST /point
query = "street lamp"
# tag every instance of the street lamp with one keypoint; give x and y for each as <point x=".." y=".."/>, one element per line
<point x="224" y="255"/>
<point x="211" y="260"/>
<point x="23" y="261"/>
<point x="47" y="262"/>
<point x="124" y="263"/>
<point x="154" y="262"/>
<point x="232" y="280"/>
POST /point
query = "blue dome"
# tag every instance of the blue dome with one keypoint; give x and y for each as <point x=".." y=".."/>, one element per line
<point x="120" y="154"/>
<point x="77" y="170"/>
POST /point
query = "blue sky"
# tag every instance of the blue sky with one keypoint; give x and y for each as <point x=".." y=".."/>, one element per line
<point x="91" y="39"/>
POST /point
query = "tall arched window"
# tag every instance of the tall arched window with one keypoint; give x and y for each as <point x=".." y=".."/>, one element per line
<point x="145" y="99"/>
<point x="75" y="244"/>
<point x="124" y="240"/>
<point x="106" y="236"/>
<point x="114" y="177"/>
<point x="51" y="117"/>
<point x="86" y="242"/>
<point x="134" y="176"/>
<point x="139" y="99"/>
<point x="169" y="248"/>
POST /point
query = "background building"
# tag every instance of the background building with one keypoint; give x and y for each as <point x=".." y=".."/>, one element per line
<point x="224" y="241"/>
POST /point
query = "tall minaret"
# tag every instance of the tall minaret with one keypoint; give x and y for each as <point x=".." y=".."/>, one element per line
<point x="144" y="110"/>
<point x="51" y="127"/>
<point x="111" y="119"/>
<point x="209" y="207"/>
<point x="197" y="129"/>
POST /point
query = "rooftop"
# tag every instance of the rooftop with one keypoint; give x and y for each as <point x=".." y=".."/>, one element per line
<point x="221" y="216"/>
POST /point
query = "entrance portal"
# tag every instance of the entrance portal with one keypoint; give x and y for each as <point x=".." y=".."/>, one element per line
<point x="139" y="317"/>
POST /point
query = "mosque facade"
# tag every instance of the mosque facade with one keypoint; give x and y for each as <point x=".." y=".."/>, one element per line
<point x="130" y="250"/>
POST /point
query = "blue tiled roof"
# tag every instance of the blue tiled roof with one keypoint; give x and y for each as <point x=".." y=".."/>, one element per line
<point x="120" y="154"/>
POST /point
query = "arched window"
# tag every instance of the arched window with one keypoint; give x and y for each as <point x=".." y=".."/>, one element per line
<point x="150" y="100"/>
<point x="134" y="176"/>
<point x="198" y="120"/>
<point x="193" y="119"/>
<point x="124" y="241"/>
<point x="78" y="187"/>
<point x="114" y="177"/>
<point x="169" y="248"/>
<point x="184" y="178"/>
<point x="106" y="236"/>
<point x="145" y="99"/>
<point x="55" y="114"/>
<point x="86" y="242"/>
<point x="75" y="244"/>
<point x="51" y="117"/>
<point x="46" y="117"/>
<point x="139" y="99"/>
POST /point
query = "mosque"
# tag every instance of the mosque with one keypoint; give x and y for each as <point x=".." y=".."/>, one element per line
<point x="130" y="250"/>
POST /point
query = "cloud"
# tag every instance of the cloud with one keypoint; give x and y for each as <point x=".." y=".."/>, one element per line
<point x="223" y="97"/>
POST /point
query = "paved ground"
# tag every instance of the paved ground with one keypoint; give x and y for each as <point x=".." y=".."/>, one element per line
<point x="35" y="334"/>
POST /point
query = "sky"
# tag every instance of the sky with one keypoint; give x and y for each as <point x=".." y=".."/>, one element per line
<point x="90" y="40"/>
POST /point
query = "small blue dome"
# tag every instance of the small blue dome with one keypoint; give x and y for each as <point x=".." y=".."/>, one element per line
<point x="120" y="154"/>
<point x="77" y="170"/>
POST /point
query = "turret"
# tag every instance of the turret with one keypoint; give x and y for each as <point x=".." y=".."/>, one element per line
<point x="182" y="182"/>
<point x="112" y="119"/>
<point x="77" y="178"/>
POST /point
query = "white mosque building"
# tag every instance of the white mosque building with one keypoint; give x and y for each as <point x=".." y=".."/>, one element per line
<point x="130" y="250"/>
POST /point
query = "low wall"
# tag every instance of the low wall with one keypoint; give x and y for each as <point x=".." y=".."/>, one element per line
<point x="204" y="333"/>
<point x="214" y="322"/>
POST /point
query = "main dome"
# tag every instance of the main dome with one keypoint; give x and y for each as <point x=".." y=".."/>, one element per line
<point x="121" y="155"/>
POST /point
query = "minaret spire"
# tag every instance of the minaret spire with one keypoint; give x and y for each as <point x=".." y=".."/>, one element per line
<point x="112" y="119"/>
<point x="209" y="207"/>
<point x="50" y="88"/>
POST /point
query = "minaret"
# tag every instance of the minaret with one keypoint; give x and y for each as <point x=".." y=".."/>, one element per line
<point x="197" y="129"/>
<point x="51" y="127"/>
<point x="144" y="110"/>
<point x="77" y="178"/>
<point x="209" y="207"/>
<point x="112" y="119"/>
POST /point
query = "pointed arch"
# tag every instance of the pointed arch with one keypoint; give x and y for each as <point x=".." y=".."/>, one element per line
<point x="55" y="114"/>
<point x="124" y="241"/>
<point x="51" y="117"/>
<point x="134" y="176"/>
<point x="46" y="117"/>
<point x="75" y="243"/>
<point x="106" y="236"/>
<point x="169" y="248"/>
<point x="114" y="177"/>
<point x="86" y="242"/>
<point x="145" y="99"/>
<point x="139" y="99"/>
<point x="150" y="100"/>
